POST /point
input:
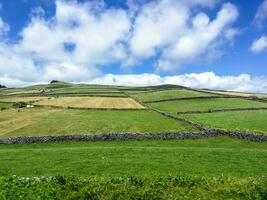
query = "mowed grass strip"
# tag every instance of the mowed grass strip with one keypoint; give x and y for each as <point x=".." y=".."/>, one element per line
<point x="204" y="157"/>
<point x="11" y="119"/>
<point x="248" y="121"/>
<point x="169" y="94"/>
<point x="92" y="102"/>
<point x="71" y="121"/>
<point x="206" y="104"/>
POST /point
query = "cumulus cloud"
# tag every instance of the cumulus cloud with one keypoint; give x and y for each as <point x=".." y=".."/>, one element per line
<point x="83" y="37"/>
<point x="41" y="55"/>
<point x="259" y="45"/>
<point x="179" y="36"/>
<point x="201" y="40"/>
<point x="208" y="80"/>
<point x="261" y="15"/>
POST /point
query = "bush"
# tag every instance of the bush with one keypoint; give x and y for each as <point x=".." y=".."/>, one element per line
<point x="62" y="187"/>
<point x="19" y="104"/>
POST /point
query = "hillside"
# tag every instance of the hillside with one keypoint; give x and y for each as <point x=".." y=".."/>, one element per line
<point x="146" y="133"/>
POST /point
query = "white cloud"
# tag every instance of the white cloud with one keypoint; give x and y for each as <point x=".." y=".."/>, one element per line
<point x="208" y="80"/>
<point x="261" y="15"/>
<point x="180" y="35"/>
<point x="174" y="33"/>
<point x="259" y="45"/>
<point x="202" y="40"/>
<point x="4" y="27"/>
<point x="40" y="54"/>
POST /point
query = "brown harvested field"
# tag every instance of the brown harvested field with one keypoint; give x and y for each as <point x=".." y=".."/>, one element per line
<point x="24" y="99"/>
<point x="92" y="102"/>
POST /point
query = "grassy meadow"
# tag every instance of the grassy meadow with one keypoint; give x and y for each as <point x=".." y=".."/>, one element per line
<point x="201" y="157"/>
<point x="49" y="121"/>
<point x="206" y="104"/>
<point x="207" y="168"/>
<point x="248" y="121"/>
<point x="168" y="94"/>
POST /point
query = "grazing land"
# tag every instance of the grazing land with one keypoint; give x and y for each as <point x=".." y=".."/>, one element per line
<point x="168" y="94"/>
<point x="202" y="157"/>
<point x="92" y="102"/>
<point x="217" y="167"/>
<point x="249" y="121"/>
<point x="206" y="104"/>
<point x="49" y="121"/>
<point x="22" y="99"/>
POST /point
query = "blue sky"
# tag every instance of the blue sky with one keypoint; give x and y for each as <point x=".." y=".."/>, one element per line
<point x="199" y="43"/>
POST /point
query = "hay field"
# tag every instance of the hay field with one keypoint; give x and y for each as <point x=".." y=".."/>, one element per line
<point x="242" y="94"/>
<point x="92" y="102"/>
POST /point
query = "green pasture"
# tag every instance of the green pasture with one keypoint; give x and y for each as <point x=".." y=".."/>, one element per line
<point x="202" y="157"/>
<point x="169" y="94"/>
<point x="206" y="104"/>
<point x="47" y="121"/>
<point x="249" y="121"/>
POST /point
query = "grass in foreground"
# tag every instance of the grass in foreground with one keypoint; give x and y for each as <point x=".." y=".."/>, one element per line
<point x="169" y="94"/>
<point x="202" y="157"/>
<point x="249" y="121"/>
<point x="205" y="104"/>
<point x="46" y="121"/>
<point x="61" y="187"/>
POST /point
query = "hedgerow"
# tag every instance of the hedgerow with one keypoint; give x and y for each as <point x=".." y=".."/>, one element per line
<point x="61" y="187"/>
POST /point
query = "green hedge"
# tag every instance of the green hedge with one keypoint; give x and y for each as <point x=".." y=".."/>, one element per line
<point x="61" y="187"/>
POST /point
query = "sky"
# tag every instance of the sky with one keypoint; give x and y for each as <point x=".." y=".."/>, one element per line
<point x="213" y="44"/>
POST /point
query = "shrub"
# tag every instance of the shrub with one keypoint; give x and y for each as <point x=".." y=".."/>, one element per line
<point x="62" y="187"/>
<point x="19" y="104"/>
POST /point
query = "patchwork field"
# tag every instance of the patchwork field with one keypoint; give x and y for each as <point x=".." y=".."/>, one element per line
<point x="238" y="93"/>
<point x="22" y="99"/>
<point x="169" y="94"/>
<point x="206" y="104"/>
<point x="45" y="121"/>
<point x="92" y="102"/>
<point x="249" y="121"/>
<point x="208" y="168"/>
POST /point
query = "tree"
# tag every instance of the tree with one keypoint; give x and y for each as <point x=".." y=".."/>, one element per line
<point x="2" y="86"/>
<point x="54" y="81"/>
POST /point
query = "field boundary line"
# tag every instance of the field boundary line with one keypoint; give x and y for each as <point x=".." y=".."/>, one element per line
<point x="220" y="110"/>
<point x="132" y="136"/>
<point x="190" y="98"/>
<point x="82" y="108"/>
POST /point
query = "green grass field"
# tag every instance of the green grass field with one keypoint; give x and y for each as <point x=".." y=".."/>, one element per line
<point x="208" y="168"/>
<point x="45" y="121"/>
<point x="249" y="121"/>
<point x="169" y="94"/>
<point x="205" y="104"/>
<point x="202" y="157"/>
<point x="4" y="105"/>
